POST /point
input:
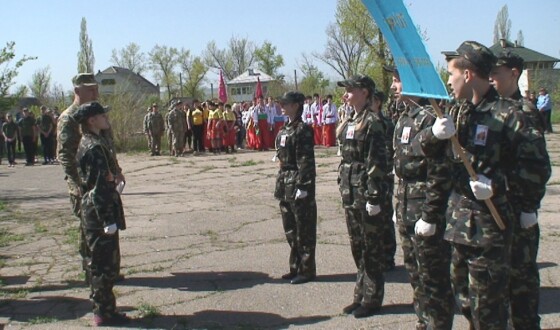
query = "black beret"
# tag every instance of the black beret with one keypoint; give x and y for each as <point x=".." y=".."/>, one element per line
<point x="88" y="110"/>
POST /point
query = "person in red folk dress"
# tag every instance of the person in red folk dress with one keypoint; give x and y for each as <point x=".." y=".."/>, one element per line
<point x="260" y="117"/>
<point x="330" y="119"/>
<point x="230" y="132"/>
<point x="316" y="109"/>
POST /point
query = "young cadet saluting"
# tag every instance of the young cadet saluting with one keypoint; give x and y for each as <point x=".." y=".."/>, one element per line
<point x="524" y="279"/>
<point x="362" y="172"/>
<point x="295" y="188"/>
<point x="421" y="217"/>
<point x="489" y="128"/>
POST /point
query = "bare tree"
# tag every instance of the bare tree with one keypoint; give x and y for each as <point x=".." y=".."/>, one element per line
<point x="86" y="59"/>
<point x="233" y="60"/>
<point x="502" y="26"/>
<point x="130" y="57"/>
<point x="40" y="84"/>
<point x="313" y="80"/>
<point x="194" y="71"/>
<point x="163" y="61"/>
<point x="520" y="38"/>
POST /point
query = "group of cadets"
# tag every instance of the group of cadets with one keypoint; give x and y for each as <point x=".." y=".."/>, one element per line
<point x="456" y="249"/>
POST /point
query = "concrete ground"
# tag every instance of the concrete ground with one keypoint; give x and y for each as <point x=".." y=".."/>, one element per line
<point x="204" y="249"/>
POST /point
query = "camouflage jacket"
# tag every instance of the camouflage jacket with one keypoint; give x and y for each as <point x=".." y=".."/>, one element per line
<point x="68" y="140"/>
<point x="363" y="167"/>
<point x="155" y="123"/>
<point x="492" y="135"/>
<point x="294" y="149"/>
<point x="145" y="122"/>
<point x="416" y="171"/>
<point x="101" y="203"/>
<point x="177" y="121"/>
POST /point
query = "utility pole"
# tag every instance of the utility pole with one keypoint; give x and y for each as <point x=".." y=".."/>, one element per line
<point x="295" y="78"/>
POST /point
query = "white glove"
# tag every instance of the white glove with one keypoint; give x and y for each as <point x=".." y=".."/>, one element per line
<point x="301" y="194"/>
<point x="443" y="128"/>
<point x="395" y="217"/>
<point x="528" y="220"/>
<point x="372" y="209"/>
<point x="110" y="229"/>
<point x="482" y="188"/>
<point x="422" y="228"/>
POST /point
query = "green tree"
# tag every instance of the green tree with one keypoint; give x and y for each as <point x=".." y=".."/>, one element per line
<point x="313" y="80"/>
<point x="194" y="71"/>
<point x="163" y="62"/>
<point x="233" y="60"/>
<point x="269" y="62"/>
<point x="40" y="84"/>
<point x="86" y="59"/>
<point x="130" y="57"/>
<point x="502" y="26"/>
<point x="8" y="72"/>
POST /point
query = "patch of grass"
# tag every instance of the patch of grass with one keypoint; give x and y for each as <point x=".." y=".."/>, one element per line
<point x="207" y="168"/>
<point x="6" y="237"/>
<point x="232" y="160"/>
<point x="39" y="228"/>
<point x="157" y="268"/>
<point x="43" y="320"/>
<point x="249" y="162"/>
<point x="2" y="206"/>
<point x="211" y="234"/>
<point x="148" y="311"/>
<point x="553" y="183"/>
<point x="323" y="165"/>
<point x="174" y="160"/>
<point x="72" y="236"/>
<point x="11" y="294"/>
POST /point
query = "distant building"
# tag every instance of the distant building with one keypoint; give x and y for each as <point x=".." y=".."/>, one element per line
<point x="538" y="70"/>
<point x="243" y="87"/>
<point x="120" y="80"/>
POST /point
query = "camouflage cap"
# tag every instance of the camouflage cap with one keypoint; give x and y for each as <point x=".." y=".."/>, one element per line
<point x="292" y="97"/>
<point x="88" y="110"/>
<point x="511" y="60"/>
<point x="84" y="79"/>
<point x="359" y="81"/>
<point x="476" y="53"/>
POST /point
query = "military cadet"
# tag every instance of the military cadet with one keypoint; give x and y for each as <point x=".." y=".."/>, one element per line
<point x="524" y="278"/>
<point x="156" y="128"/>
<point x="68" y="138"/>
<point x="295" y="188"/>
<point x="27" y="131"/>
<point x="176" y="125"/>
<point x="420" y="217"/>
<point x="362" y="172"/>
<point x="102" y="211"/>
<point x="169" y="132"/>
<point x="489" y="128"/>
<point x="389" y="239"/>
<point x="145" y="127"/>
<point x="45" y="126"/>
<point x="9" y="132"/>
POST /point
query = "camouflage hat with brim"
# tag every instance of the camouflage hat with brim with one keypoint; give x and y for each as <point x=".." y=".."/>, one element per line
<point x="476" y="53"/>
<point x="88" y="110"/>
<point x="84" y="79"/>
<point x="291" y="97"/>
<point x="358" y="81"/>
<point x="511" y="60"/>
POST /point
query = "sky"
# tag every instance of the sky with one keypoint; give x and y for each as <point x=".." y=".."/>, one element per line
<point x="50" y="29"/>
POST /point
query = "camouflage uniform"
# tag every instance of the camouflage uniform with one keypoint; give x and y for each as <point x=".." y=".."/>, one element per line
<point x="524" y="278"/>
<point x="68" y="139"/>
<point x="145" y="124"/>
<point x="495" y="142"/>
<point x="388" y="236"/>
<point x="156" y="128"/>
<point x="426" y="259"/>
<point x="295" y="152"/>
<point x="176" y="124"/>
<point x="101" y="206"/>
<point x="361" y="176"/>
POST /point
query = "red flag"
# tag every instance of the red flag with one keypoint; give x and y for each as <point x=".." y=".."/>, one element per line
<point x="222" y="92"/>
<point x="258" y="90"/>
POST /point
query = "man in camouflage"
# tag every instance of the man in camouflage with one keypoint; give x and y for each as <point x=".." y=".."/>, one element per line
<point x="295" y="188"/>
<point x="102" y="211"/>
<point x="68" y="139"/>
<point x="524" y="278"/>
<point x="421" y="217"/>
<point x="176" y="123"/>
<point x="490" y="129"/>
<point x="156" y="128"/>
<point x="361" y="176"/>
<point x="145" y="127"/>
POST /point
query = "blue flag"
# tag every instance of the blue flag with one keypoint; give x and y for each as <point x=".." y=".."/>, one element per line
<point x="416" y="70"/>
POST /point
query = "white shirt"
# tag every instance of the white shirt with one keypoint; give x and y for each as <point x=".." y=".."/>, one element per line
<point x="306" y="115"/>
<point x="330" y="114"/>
<point x="316" y="113"/>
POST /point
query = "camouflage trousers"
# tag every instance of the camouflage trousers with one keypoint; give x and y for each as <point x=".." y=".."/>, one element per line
<point x="104" y="268"/>
<point x="83" y="248"/>
<point x="479" y="277"/>
<point x="427" y="261"/>
<point x="299" y="219"/>
<point x="155" y="144"/>
<point x="389" y="241"/>
<point x="178" y="142"/>
<point x="366" y="244"/>
<point x="524" y="278"/>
